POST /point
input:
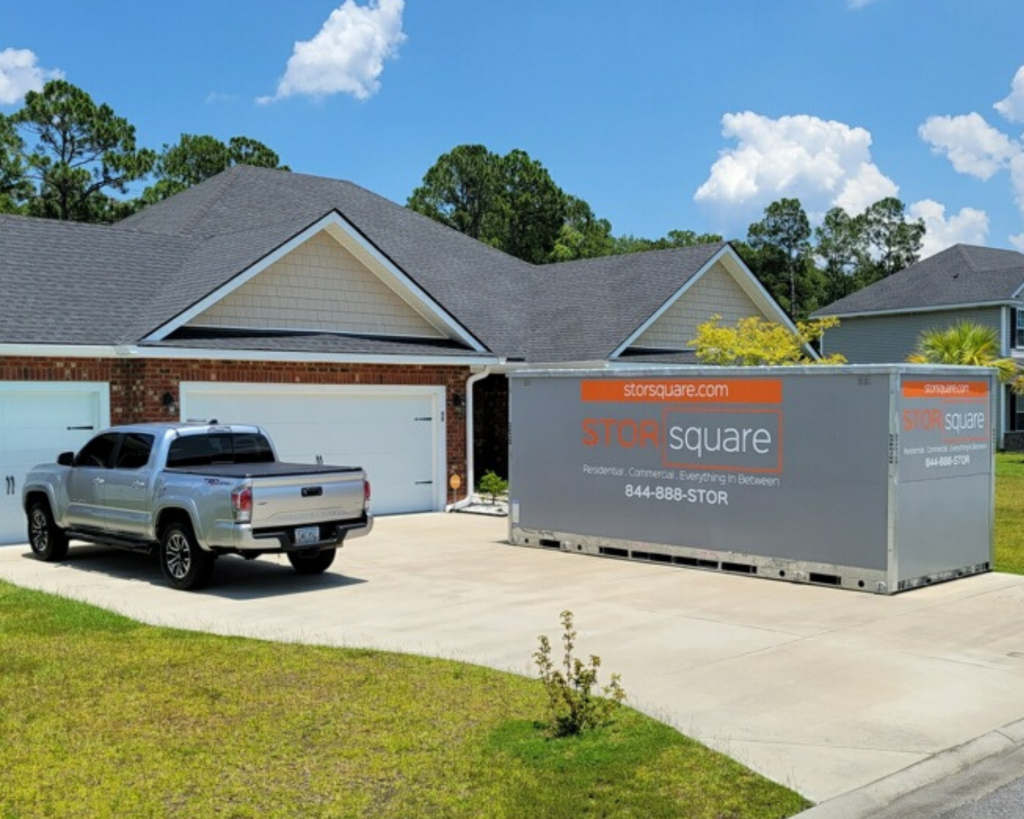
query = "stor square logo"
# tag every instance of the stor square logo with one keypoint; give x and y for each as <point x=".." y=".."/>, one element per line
<point x="734" y="441"/>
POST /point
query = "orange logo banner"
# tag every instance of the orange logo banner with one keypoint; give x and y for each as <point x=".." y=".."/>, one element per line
<point x="683" y="391"/>
<point x="945" y="389"/>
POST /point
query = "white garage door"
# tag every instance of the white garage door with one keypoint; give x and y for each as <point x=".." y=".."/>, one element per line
<point x="38" y="421"/>
<point x="395" y="433"/>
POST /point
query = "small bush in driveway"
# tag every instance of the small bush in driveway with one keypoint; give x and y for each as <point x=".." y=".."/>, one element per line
<point x="574" y="701"/>
<point x="493" y="484"/>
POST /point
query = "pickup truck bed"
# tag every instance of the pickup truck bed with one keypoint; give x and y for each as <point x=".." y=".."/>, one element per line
<point x="271" y="470"/>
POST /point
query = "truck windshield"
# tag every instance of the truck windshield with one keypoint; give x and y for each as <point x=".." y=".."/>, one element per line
<point x="220" y="448"/>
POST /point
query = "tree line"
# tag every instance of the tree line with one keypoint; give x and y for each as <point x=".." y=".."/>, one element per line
<point x="512" y="203"/>
<point x="63" y="156"/>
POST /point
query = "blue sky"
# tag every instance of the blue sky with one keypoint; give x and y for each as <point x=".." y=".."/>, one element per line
<point x="662" y="114"/>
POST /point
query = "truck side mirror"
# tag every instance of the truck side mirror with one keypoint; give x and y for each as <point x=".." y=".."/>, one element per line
<point x="66" y="459"/>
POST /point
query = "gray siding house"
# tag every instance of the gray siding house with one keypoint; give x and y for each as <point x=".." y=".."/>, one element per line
<point x="882" y="323"/>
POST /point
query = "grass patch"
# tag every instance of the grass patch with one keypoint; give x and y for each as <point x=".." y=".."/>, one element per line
<point x="1009" y="534"/>
<point x="101" y="716"/>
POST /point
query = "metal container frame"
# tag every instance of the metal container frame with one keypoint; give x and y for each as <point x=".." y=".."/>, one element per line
<point x="881" y="580"/>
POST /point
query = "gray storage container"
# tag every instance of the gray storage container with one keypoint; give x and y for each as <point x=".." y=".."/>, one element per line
<point x="878" y="478"/>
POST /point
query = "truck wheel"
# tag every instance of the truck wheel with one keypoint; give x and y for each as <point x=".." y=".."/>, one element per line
<point x="48" y="541"/>
<point x="185" y="564"/>
<point x="306" y="563"/>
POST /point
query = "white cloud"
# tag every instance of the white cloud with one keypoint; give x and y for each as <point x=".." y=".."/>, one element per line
<point x="20" y="73"/>
<point x="969" y="226"/>
<point x="347" y="55"/>
<point x="1012" y="106"/>
<point x="822" y="163"/>
<point x="972" y="145"/>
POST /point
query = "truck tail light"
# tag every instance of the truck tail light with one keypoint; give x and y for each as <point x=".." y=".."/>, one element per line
<point x="366" y="493"/>
<point x="241" y="503"/>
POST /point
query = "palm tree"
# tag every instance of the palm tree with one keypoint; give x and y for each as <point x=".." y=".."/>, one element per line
<point x="970" y="345"/>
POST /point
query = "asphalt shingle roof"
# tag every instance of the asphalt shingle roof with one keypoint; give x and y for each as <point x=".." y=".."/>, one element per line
<point x="962" y="274"/>
<point x="482" y="287"/>
<point x="70" y="283"/>
<point x="583" y="310"/>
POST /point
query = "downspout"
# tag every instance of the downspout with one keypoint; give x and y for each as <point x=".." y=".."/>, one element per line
<point x="451" y="507"/>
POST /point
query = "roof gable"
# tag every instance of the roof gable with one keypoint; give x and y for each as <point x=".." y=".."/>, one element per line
<point x="479" y="286"/>
<point x="962" y="275"/>
<point x="341" y="257"/>
<point x="319" y="286"/>
<point x="715" y="292"/>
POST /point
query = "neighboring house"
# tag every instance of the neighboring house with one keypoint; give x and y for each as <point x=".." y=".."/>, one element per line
<point x="352" y="328"/>
<point x="882" y="323"/>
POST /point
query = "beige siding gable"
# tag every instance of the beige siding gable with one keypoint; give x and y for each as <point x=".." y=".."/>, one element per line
<point x="716" y="292"/>
<point x="319" y="286"/>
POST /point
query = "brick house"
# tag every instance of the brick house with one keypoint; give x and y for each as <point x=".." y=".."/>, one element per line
<point x="353" y="329"/>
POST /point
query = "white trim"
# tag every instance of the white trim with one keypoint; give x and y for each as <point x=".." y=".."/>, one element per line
<point x="58" y="351"/>
<point x="386" y="270"/>
<point x="741" y="274"/>
<point x="907" y="310"/>
<point x="203" y="354"/>
<point x="1005" y="339"/>
<point x="437" y="394"/>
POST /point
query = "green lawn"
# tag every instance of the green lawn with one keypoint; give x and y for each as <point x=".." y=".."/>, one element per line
<point x="1010" y="512"/>
<point x="101" y="716"/>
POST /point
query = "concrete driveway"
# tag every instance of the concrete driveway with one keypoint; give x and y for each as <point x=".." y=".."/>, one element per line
<point x="823" y="690"/>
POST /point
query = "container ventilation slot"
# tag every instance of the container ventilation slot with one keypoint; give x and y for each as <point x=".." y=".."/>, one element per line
<point x="696" y="562"/>
<point x="654" y="557"/>
<point x="609" y="551"/>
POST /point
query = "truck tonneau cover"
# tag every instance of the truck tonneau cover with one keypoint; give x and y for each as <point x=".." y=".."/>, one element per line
<point x="262" y="470"/>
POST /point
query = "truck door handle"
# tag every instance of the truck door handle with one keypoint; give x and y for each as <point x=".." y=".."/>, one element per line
<point x="10" y="484"/>
<point x="422" y="483"/>
<point x="138" y="484"/>
<point x="98" y="481"/>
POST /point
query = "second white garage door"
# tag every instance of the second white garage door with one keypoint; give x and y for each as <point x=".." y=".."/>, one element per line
<point x="395" y="433"/>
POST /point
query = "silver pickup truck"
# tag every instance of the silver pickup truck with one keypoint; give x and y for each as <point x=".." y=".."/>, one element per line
<point x="193" y="493"/>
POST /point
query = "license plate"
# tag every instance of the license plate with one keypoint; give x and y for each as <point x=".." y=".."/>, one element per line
<point x="306" y="535"/>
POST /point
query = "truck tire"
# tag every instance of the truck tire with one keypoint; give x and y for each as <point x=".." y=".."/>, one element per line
<point x="184" y="563"/>
<point x="47" y="540"/>
<point x="306" y="563"/>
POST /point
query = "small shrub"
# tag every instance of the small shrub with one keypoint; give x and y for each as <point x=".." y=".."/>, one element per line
<point x="575" y="705"/>
<point x="492" y="484"/>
